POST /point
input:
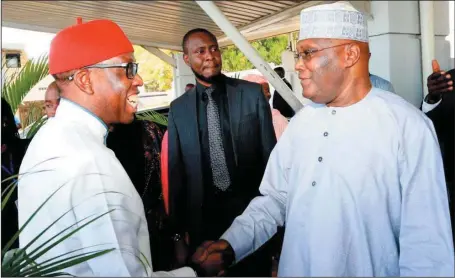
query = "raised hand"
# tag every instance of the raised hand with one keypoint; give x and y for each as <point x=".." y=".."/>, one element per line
<point x="438" y="83"/>
<point x="212" y="258"/>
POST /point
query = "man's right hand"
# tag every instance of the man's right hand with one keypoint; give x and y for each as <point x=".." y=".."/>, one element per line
<point x="438" y="83"/>
<point x="212" y="258"/>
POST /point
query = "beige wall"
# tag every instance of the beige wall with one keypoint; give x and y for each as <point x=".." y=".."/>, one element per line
<point x="24" y="60"/>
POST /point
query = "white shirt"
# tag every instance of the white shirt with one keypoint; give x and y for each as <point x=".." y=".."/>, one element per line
<point x="71" y="150"/>
<point x="427" y="107"/>
<point x="381" y="83"/>
<point x="361" y="191"/>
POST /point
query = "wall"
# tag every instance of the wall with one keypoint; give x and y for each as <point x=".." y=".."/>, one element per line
<point x="182" y="76"/>
<point x="395" y="44"/>
<point x="11" y="71"/>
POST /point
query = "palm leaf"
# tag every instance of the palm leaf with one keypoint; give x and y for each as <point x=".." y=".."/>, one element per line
<point x="153" y="116"/>
<point x="19" y="84"/>
<point x="17" y="263"/>
<point x="33" y="129"/>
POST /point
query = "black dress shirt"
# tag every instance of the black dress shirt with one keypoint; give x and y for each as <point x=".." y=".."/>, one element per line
<point x="216" y="218"/>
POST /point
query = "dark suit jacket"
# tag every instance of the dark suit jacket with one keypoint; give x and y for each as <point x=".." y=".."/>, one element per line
<point x="443" y="118"/>
<point x="253" y="139"/>
<point x="281" y="105"/>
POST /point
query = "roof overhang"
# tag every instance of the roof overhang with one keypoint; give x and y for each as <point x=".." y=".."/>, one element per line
<point x="160" y="24"/>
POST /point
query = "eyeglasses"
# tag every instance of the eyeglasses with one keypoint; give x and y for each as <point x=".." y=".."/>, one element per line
<point x="308" y="54"/>
<point x="130" y="68"/>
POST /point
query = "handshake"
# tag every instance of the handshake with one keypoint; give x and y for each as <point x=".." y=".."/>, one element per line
<point x="212" y="258"/>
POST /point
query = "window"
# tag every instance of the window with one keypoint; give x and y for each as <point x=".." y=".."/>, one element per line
<point x="13" y="60"/>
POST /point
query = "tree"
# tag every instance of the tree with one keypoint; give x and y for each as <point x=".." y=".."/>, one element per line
<point x="270" y="49"/>
<point x="157" y="75"/>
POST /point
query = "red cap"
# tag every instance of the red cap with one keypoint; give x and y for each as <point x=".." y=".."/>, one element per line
<point x="86" y="44"/>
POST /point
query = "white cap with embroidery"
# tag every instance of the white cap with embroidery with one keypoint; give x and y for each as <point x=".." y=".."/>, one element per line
<point x="338" y="20"/>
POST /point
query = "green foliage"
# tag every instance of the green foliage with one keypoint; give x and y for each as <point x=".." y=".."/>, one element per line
<point x="23" y="263"/>
<point x="270" y="49"/>
<point x="157" y="74"/>
<point x="33" y="129"/>
<point x="153" y="116"/>
<point x="19" y="83"/>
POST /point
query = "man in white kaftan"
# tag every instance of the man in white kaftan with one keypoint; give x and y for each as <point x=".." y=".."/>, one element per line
<point x="357" y="177"/>
<point x="68" y="157"/>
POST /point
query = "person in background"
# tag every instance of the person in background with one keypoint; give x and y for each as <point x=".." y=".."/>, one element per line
<point x="138" y="148"/>
<point x="357" y="176"/>
<point x="380" y="83"/>
<point x="13" y="150"/>
<point x="94" y="66"/>
<point x="278" y="101"/>
<point x="51" y="99"/>
<point x="439" y="106"/>
<point x="188" y="87"/>
<point x="220" y="137"/>
<point x="279" y="121"/>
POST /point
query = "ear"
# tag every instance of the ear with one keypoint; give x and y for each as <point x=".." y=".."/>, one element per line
<point x="186" y="59"/>
<point x="352" y="54"/>
<point x="83" y="82"/>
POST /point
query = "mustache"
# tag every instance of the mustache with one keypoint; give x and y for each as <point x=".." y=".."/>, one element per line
<point x="212" y="79"/>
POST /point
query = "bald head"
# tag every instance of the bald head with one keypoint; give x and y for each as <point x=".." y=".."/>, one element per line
<point x="51" y="99"/>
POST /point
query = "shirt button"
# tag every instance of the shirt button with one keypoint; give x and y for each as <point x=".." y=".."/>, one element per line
<point x="334" y="112"/>
<point x="320" y="159"/>
<point x="313" y="183"/>
<point x="326" y="134"/>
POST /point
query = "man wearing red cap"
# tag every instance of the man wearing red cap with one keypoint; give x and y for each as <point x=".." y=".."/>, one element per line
<point x="95" y="70"/>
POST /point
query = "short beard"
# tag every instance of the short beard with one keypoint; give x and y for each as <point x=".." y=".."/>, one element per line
<point x="211" y="80"/>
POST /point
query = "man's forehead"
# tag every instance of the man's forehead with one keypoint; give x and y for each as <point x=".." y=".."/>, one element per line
<point x="201" y="39"/>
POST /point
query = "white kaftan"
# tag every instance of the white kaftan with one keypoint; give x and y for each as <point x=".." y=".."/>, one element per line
<point x="361" y="191"/>
<point x="71" y="147"/>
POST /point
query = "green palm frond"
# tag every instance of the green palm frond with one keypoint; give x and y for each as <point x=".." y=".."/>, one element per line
<point x="19" y="263"/>
<point x="18" y="84"/>
<point x="153" y="116"/>
<point x="33" y="129"/>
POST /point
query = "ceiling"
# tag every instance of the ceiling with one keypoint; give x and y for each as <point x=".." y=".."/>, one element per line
<point x="161" y="24"/>
<point x="156" y="23"/>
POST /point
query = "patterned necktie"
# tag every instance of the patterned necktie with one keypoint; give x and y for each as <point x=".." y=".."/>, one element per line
<point x="220" y="171"/>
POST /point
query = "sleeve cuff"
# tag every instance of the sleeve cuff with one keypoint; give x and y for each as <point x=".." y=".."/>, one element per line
<point x="426" y="107"/>
<point x="180" y="272"/>
<point x="241" y="249"/>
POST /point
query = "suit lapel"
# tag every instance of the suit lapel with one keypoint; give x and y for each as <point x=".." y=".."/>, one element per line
<point x="234" y="95"/>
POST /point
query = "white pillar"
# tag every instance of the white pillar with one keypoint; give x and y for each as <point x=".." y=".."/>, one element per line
<point x="182" y="76"/>
<point x="426" y="10"/>
<point x="239" y="40"/>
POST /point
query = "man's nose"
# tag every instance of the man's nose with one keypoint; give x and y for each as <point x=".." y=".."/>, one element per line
<point x="137" y="81"/>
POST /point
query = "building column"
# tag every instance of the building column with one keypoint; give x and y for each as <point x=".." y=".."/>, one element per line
<point x="395" y="44"/>
<point x="182" y="76"/>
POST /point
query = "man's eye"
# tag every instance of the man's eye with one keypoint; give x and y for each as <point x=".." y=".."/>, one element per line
<point x="307" y="52"/>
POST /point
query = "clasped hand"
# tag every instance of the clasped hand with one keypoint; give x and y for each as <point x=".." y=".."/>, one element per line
<point x="212" y="258"/>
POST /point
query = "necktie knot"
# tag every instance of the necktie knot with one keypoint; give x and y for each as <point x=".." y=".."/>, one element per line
<point x="209" y="91"/>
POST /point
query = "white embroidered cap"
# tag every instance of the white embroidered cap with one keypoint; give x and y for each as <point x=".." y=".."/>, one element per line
<point x="338" y="20"/>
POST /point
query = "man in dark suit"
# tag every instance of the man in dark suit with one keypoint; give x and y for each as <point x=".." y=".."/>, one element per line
<point x="439" y="106"/>
<point x="220" y="138"/>
<point x="278" y="101"/>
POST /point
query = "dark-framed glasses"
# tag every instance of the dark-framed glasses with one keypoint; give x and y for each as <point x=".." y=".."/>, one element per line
<point x="307" y="54"/>
<point x="130" y="68"/>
